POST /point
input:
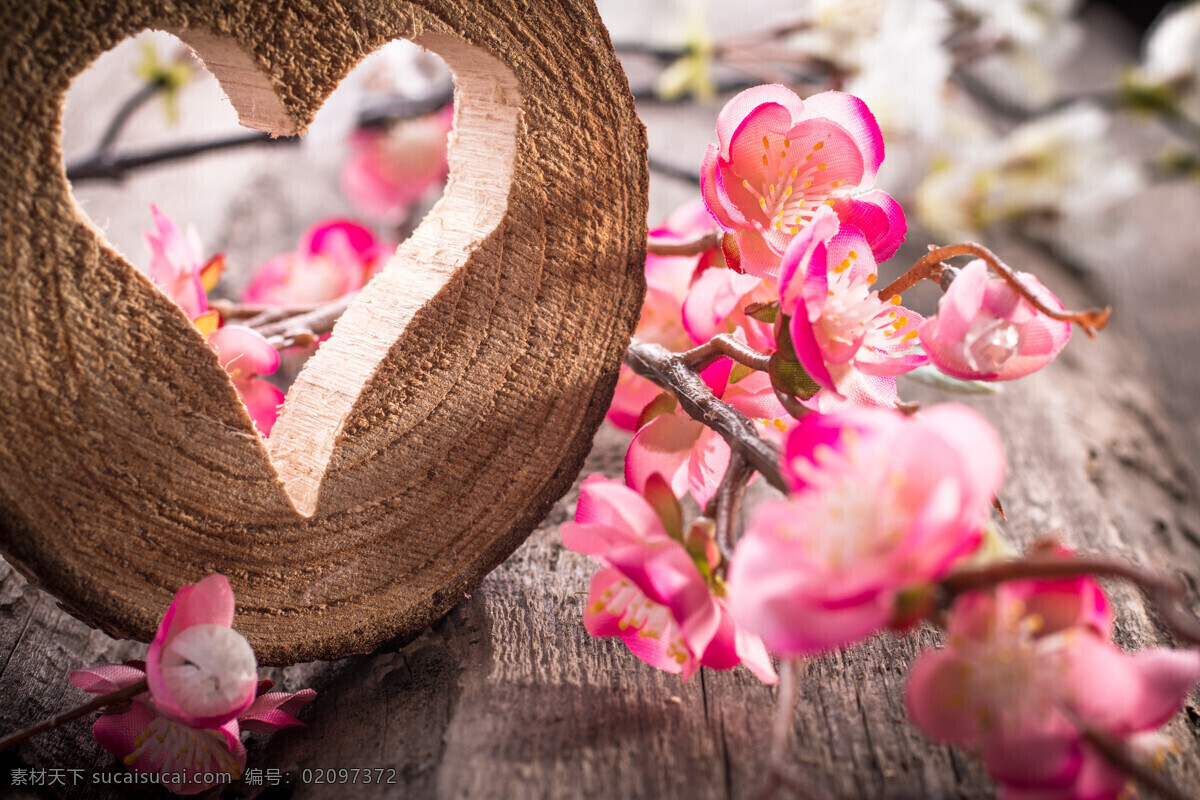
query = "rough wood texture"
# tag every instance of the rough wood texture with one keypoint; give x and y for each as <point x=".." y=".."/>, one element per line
<point x="455" y="402"/>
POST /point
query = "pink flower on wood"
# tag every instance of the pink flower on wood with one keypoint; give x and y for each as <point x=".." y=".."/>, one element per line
<point x="245" y="355"/>
<point x="849" y="341"/>
<point x="984" y="330"/>
<point x="779" y="159"/>
<point x="650" y="591"/>
<point x="147" y="741"/>
<point x="691" y="456"/>
<point x="201" y="672"/>
<point x="1025" y="664"/>
<point x="391" y="169"/>
<point x="333" y="258"/>
<point x="881" y="503"/>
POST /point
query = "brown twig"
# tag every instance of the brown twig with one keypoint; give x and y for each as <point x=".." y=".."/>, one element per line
<point x="670" y="371"/>
<point x="724" y="345"/>
<point x="778" y="775"/>
<point x="1117" y="753"/>
<point x="1162" y="593"/>
<point x="726" y="503"/>
<point x="929" y="267"/>
<point x="310" y="324"/>
<point x="59" y="720"/>
<point x="658" y="246"/>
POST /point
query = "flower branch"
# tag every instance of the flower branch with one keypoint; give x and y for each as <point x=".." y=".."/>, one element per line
<point x="103" y="701"/>
<point x="725" y="346"/>
<point x="663" y="246"/>
<point x="930" y="267"/>
<point x="727" y="502"/>
<point x="1162" y="593"/>
<point x="672" y="372"/>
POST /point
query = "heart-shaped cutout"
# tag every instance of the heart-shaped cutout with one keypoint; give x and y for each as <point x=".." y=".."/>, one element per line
<point x="454" y="402"/>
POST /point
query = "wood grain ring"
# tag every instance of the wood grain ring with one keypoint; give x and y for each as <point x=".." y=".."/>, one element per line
<point x="455" y="401"/>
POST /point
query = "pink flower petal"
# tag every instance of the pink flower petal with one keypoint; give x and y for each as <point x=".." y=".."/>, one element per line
<point x="105" y="678"/>
<point x="275" y="710"/>
<point x="663" y="447"/>
<point x="852" y="114"/>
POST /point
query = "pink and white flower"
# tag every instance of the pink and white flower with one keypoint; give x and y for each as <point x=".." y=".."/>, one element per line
<point x="200" y="671"/>
<point x="779" y="159"/>
<point x="333" y="258"/>
<point x="881" y="504"/>
<point x="984" y="330"/>
<point x="391" y="169"/>
<point x="202" y="683"/>
<point x="1026" y="664"/>
<point x="850" y="342"/>
<point x="650" y="591"/>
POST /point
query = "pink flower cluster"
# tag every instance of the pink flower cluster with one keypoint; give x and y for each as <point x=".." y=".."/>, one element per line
<point x="1027" y="667"/>
<point x="656" y="589"/>
<point x="333" y="258"/>
<point x="880" y="504"/>
<point x="203" y="691"/>
<point x="177" y="268"/>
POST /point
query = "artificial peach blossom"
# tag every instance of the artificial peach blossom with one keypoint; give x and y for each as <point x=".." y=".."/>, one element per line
<point x="246" y="355"/>
<point x="1027" y="663"/>
<point x="178" y="267"/>
<point x="985" y="330"/>
<point x="691" y="456"/>
<point x="333" y="258"/>
<point x="147" y="741"/>
<point x="850" y="342"/>
<point x="200" y="671"/>
<point x="881" y="503"/>
<point x="779" y="159"/>
<point x="391" y="169"/>
<point x="650" y="591"/>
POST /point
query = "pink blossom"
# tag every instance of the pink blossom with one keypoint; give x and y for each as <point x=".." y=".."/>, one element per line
<point x="179" y="270"/>
<point x="984" y="330"/>
<point x="147" y="741"/>
<point x="650" y="591"/>
<point x="1026" y="663"/>
<point x="201" y="672"/>
<point x="334" y="257"/>
<point x="881" y="503"/>
<point x="691" y="456"/>
<point x="780" y="159"/>
<point x="391" y="169"/>
<point x="850" y="342"/>
<point x="202" y="682"/>
<point x="246" y="355"/>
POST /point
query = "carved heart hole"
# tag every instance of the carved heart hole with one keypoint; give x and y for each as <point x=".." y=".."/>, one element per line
<point x="266" y="217"/>
<point x="456" y="398"/>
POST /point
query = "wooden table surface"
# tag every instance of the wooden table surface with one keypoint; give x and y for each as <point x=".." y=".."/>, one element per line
<point x="508" y="696"/>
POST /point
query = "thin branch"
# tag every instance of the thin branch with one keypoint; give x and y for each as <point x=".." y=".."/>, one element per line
<point x="723" y="345"/>
<point x="147" y="92"/>
<point x="691" y="176"/>
<point x="726" y="503"/>
<point x="929" y="267"/>
<point x="778" y="774"/>
<point x="395" y="109"/>
<point x="1117" y="753"/>
<point x="59" y="720"/>
<point x="304" y="328"/>
<point x="1162" y="593"/>
<point x="658" y="246"/>
<point x="115" y="168"/>
<point x="671" y="372"/>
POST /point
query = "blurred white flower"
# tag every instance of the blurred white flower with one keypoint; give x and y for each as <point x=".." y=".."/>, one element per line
<point x="1171" y="59"/>
<point x="1031" y="39"/>
<point x="892" y="54"/>
<point x="1060" y="167"/>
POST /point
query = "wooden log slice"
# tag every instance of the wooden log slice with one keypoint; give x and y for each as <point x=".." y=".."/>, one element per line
<point x="452" y="406"/>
